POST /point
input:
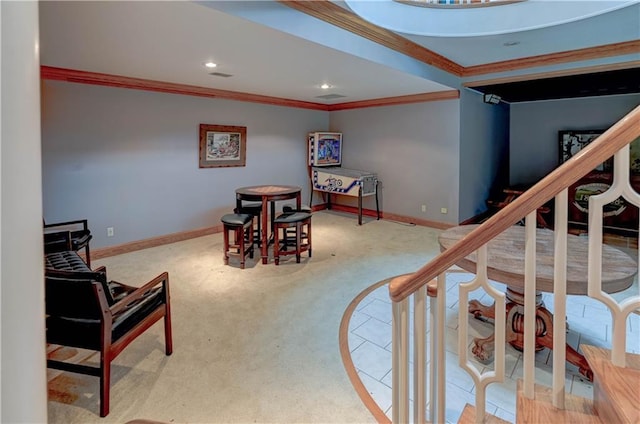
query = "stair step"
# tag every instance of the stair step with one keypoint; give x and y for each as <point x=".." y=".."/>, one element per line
<point x="616" y="390"/>
<point x="469" y="417"/>
<point x="541" y="409"/>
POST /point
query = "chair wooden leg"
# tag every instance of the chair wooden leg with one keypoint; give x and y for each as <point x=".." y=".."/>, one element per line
<point x="276" y="244"/>
<point x="298" y="240"/>
<point x="88" y="254"/>
<point x="251" y="240"/>
<point x="240" y="234"/>
<point x="168" y="335"/>
<point x="226" y="246"/>
<point x="105" y="382"/>
<point x="309" y="236"/>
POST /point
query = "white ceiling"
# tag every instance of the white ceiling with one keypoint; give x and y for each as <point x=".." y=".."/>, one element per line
<point x="170" y="41"/>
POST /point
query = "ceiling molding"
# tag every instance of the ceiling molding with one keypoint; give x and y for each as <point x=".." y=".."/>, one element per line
<point x="338" y="16"/>
<point x="607" y="50"/>
<point x="95" y="78"/>
<point x="398" y="100"/>
<point x="561" y="73"/>
<point x="333" y="14"/>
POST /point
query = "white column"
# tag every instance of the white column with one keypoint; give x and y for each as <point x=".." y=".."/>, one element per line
<point x="22" y="332"/>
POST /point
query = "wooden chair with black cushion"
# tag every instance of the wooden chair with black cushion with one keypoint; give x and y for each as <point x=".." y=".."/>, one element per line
<point x="70" y="235"/>
<point x="85" y="310"/>
<point x="241" y="225"/>
<point x="287" y="242"/>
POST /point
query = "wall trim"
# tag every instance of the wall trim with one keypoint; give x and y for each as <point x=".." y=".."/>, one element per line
<point x="105" y="252"/>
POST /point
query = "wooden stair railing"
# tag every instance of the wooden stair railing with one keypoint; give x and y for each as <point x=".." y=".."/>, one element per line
<point x="413" y="288"/>
<point x="601" y="149"/>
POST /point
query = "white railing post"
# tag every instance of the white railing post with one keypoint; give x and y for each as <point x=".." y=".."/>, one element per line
<point x="529" y="305"/>
<point x="619" y="311"/>
<point x="419" y="355"/>
<point x="560" y="297"/>
<point x="400" y="362"/>
<point x="481" y="381"/>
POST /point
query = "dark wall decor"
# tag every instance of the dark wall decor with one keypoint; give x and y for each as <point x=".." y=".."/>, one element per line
<point x="618" y="216"/>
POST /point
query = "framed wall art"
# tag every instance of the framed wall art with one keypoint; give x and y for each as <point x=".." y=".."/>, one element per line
<point x="222" y="145"/>
<point x="619" y="216"/>
<point x="572" y="141"/>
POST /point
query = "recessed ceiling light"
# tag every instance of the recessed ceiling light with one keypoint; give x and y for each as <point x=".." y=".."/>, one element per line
<point x="325" y="86"/>
<point x="210" y="65"/>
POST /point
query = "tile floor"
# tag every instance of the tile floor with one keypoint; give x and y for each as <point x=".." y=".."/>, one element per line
<point x="370" y="346"/>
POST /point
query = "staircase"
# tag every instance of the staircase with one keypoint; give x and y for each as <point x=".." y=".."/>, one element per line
<point x="616" y="397"/>
<point x="616" y="373"/>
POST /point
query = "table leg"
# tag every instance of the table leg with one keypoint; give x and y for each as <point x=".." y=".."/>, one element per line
<point x="360" y="205"/>
<point x="265" y="232"/>
<point x="483" y="347"/>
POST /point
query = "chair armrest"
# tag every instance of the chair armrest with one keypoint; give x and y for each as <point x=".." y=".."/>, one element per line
<point x="67" y="223"/>
<point x="57" y="241"/>
<point x="139" y="293"/>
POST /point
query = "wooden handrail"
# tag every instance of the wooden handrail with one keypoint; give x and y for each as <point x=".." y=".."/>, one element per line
<point x="606" y="145"/>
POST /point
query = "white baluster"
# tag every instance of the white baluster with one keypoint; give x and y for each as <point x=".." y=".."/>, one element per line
<point x="560" y="297"/>
<point x="419" y="354"/>
<point x="400" y="362"/>
<point x="482" y="380"/>
<point x="529" y="305"/>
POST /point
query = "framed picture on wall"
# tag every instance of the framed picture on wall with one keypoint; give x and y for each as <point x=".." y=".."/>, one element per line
<point x="618" y="216"/>
<point x="222" y="145"/>
<point x="572" y="141"/>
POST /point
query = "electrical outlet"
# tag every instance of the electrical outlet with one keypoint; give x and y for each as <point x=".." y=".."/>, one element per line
<point x="443" y="210"/>
<point x="109" y="231"/>
<point x="424" y="208"/>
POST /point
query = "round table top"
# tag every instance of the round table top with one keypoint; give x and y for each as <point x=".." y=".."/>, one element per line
<point x="268" y="190"/>
<point x="505" y="260"/>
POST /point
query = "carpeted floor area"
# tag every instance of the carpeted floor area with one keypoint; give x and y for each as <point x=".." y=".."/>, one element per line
<point x="253" y="345"/>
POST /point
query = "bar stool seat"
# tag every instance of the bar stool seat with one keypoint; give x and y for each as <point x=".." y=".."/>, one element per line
<point x="241" y="224"/>
<point x="291" y="243"/>
<point x="303" y="208"/>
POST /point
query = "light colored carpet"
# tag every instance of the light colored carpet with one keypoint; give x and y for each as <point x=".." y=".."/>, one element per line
<point x="253" y="345"/>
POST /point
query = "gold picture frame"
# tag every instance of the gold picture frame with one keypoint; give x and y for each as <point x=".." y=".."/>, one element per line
<point x="222" y="146"/>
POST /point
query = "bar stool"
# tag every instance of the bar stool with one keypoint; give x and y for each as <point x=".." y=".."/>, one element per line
<point x="292" y="231"/>
<point x="300" y="241"/>
<point x="242" y="226"/>
<point x="255" y="209"/>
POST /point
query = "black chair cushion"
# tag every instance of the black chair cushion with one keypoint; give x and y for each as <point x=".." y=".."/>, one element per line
<point x="303" y="208"/>
<point x="290" y="218"/>
<point x="237" y="219"/>
<point x="65" y="261"/>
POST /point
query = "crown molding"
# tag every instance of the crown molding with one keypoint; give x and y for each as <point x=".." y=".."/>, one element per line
<point x="333" y="14"/>
<point x="338" y="16"/>
<point x="398" y="100"/>
<point x="95" y="78"/>
<point x="597" y="52"/>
